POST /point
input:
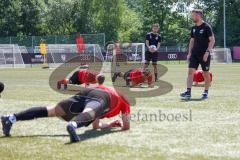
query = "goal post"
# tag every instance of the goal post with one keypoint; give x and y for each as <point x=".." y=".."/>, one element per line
<point x="61" y="53"/>
<point x="134" y="52"/>
<point x="119" y="54"/>
<point x="222" y="55"/>
<point x="10" y="56"/>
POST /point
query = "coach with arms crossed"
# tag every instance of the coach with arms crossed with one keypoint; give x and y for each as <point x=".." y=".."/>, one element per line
<point x="153" y="41"/>
<point x="200" y="48"/>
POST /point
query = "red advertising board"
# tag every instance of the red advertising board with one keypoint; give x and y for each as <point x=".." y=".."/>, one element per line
<point x="236" y="53"/>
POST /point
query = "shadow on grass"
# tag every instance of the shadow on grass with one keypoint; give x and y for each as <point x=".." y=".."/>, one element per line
<point x="192" y="100"/>
<point x="89" y="134"/>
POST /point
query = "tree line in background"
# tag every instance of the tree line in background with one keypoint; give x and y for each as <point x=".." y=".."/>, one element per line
<point x="120" y="20"/>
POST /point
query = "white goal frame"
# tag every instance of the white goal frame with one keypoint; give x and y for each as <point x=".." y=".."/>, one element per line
<point x="127" y="47"/>
<point x="10" y="56"/>
<point x="70" y="49"/>
<point x="222" y="55"/>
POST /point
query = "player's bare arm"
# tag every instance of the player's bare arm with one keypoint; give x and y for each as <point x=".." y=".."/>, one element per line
<point x="97" y="124"/>
<point x="125" y="121"/>
<point x="158" y="46"/>
<point x="190" y="48"/>
<point x="210" y="48"/>
<point x="125" y="124"/>
<point x="148" y="46"/>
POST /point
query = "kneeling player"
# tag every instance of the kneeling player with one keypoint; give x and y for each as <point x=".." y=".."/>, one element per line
<point x="78" y="78"/>
<point x="86" y="107"/>
<point x="199" y="77"/>
<point x="135" y="77"/>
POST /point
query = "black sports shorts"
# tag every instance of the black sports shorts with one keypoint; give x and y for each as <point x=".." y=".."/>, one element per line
<point x="127" y="77"/>
<point x="70" y="108"/>
<point x="151" y="57"/>
<point x="74" y="79"/>
<point x="196" y="60"/>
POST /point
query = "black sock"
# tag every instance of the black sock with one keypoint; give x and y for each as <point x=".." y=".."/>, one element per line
<point x="84" y="119"/>
<point x="32" y="113"/>
<point x="128" y="82"/>
<point x="156" y="76"/>
<point x="189" y="90"/>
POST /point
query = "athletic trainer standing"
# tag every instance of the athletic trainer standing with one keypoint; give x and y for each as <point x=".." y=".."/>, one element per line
<point x="153" y="42"/>
<point x="200" y="48"/>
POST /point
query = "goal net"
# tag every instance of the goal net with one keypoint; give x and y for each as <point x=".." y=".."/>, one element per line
<point x="121" y="54"/>
<point x="61" y="53"/>
<point x="132" y="51"/>
<point x="10" y="56"/>
<point x="222" y="55"/>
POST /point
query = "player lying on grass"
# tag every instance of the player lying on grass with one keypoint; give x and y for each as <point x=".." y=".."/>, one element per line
<point x="135" y="77"/>
<point x="86" y="107"/>
<point x="199" y="77"/>
<point x="78" y="78"/>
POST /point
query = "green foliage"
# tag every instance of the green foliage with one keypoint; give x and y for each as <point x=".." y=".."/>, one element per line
<point x="9" y="13"/>
<point x="58" y="18"/>
<point x="214" y="15"/>
<point x="107" y="17"/>
<point x="120" y="20"/>
<point x="131" y="24"/>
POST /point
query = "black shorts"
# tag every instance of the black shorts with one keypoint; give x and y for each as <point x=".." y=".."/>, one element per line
<point x="127" y="77"/>
<point x="68" y="109"/>
<point x="74" y="79"/>
<point x="195" y="61"/>
<point x="151" y="57"/>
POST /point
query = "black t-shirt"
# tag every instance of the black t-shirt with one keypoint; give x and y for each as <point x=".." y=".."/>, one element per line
<point x="201" y="36"/>
<point x="153" y="39"/>
<point x="95" y="93"/>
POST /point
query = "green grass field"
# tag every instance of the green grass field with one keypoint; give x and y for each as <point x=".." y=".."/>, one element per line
<point x="212" y="133"/>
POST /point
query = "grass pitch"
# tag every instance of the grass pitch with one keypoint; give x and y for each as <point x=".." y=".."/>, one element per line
<point x="211" y="131"/>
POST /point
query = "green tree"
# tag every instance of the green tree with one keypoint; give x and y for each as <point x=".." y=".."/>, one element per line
<point x="30" y="18"/>
<point x="214" y="9"/>
<point x="83" y="13"/>
<point x="9" y="17"/>
<point x="130" y="27"/>
<point x="173" y="26"/>
<point x="107" y="17"/>
<point x="59" y="18"/>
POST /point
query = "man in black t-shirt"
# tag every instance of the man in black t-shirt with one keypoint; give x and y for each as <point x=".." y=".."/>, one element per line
<point x="200" y="48"/>
<point x="153" y="42"/>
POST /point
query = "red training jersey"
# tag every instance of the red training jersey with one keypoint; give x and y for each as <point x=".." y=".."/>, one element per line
<point x="199" y="77"/>
<point x="80" y="44"/>
<point x="87" y="77"/>
<point x="118" y="103"/>
<point x="137" y="77"/>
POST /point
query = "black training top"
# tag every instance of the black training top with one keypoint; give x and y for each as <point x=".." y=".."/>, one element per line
<point x="153" y="39"/>
<point x="95" y="93"/>
<point x="201" y="36"/>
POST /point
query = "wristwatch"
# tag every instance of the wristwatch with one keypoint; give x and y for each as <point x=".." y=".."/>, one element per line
<point x="208" y="52"/>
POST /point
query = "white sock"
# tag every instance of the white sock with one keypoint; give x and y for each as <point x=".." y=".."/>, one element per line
<point x="12" y="118"/>
<point x="74" y="124"/>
